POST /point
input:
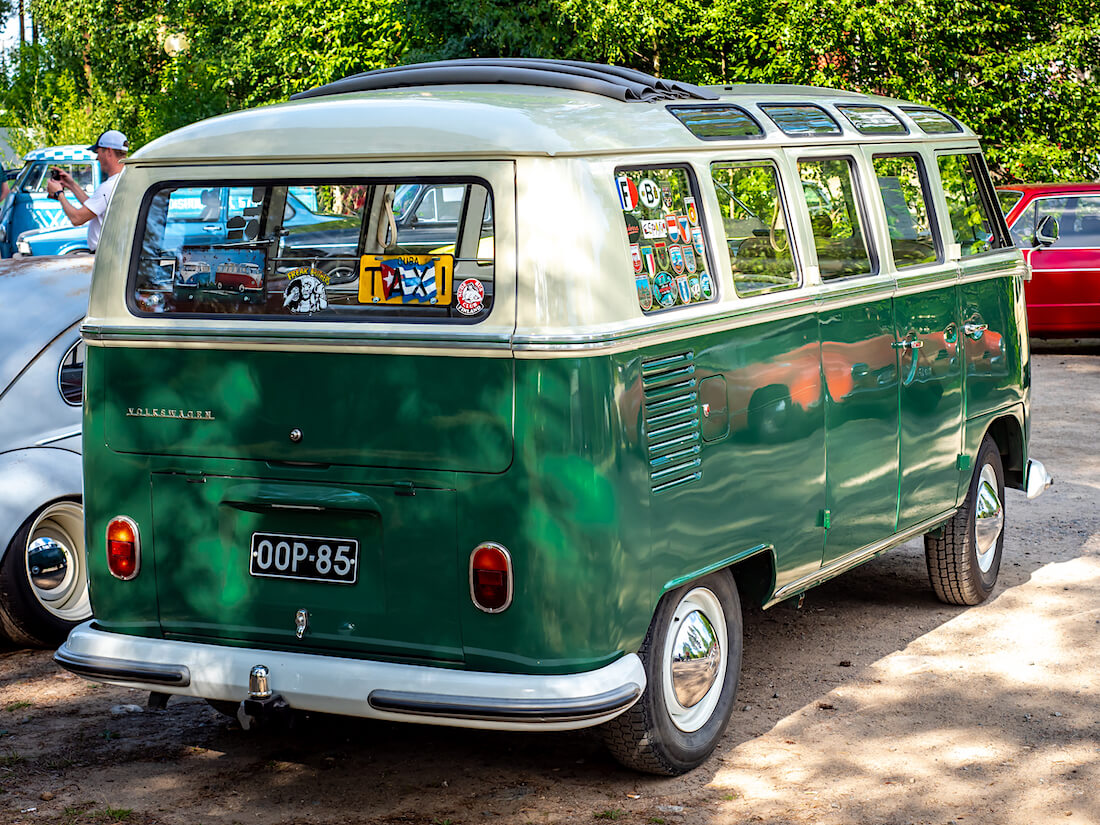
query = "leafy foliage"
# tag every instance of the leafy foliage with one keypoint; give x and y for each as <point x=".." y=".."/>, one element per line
<point x="1024" y="74"/>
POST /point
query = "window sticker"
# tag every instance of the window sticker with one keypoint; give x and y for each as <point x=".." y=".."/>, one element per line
<point x="222" y="275"/>
<point x="406" y="279"/>
<point x="211" y="248"/>
<point x="305" y="293"/>
<point x="470" y="297"/>
<point x="664" y="235"/>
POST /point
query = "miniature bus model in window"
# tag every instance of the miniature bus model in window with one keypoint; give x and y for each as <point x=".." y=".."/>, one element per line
<point x="496" y="425"/>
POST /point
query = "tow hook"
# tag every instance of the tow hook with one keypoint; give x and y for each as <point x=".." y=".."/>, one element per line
<point x="260" y="713"/>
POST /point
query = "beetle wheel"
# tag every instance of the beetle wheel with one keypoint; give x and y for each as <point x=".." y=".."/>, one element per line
<point x="44" y="577"/>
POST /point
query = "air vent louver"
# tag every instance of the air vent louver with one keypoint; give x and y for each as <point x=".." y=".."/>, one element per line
<point x="670" y="420"/>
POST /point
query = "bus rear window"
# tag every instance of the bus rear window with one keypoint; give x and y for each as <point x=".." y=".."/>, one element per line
<point x="331" y="250"/>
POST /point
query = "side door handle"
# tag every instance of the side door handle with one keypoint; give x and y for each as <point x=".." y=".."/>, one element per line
<point x="908" y="343"/>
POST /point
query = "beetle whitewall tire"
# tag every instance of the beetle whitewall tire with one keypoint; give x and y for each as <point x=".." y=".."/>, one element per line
<point x="44" y="577"/>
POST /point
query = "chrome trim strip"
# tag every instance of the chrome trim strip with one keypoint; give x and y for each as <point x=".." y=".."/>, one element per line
<point x="856" y="557"/>
<point x="506" y="710"/>
<point x="111" y="670"/>
<point x="53" y="439"/>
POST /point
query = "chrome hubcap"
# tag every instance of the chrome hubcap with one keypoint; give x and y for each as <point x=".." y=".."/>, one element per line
<point x="695" y="664"/>
<point x="54" y="560"/>
<point x="696" y="655"/>
<point x="989" y="518"/>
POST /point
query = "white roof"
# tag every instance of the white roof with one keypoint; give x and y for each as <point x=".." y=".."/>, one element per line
<point x="489" y="121"/>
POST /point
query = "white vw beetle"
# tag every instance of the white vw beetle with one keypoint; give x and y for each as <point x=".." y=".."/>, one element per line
<point x="43" y="575"/>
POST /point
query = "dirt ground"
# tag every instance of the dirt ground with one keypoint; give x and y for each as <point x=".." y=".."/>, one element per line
<point x="872" y="704"/>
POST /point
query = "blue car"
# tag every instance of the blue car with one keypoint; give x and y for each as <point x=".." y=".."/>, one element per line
<point x="204" y="212"/>
<point x="28" y="210"/>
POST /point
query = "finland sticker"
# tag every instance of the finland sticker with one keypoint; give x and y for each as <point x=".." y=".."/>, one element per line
<point x="470" y="297"/>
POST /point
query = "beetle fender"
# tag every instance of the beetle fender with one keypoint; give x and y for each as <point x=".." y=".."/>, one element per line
<point x="30" y="478"/>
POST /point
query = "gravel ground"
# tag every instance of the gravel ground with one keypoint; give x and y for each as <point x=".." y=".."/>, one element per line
<point x="873" y="703"/>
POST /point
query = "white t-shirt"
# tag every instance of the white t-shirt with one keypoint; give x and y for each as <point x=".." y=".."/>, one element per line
<point x="97" y="202"/>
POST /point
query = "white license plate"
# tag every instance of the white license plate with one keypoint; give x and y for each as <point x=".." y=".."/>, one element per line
<point x="309" y="558"/>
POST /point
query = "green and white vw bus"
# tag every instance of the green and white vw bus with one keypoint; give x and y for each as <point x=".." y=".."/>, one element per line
<point x="571" y="362"/>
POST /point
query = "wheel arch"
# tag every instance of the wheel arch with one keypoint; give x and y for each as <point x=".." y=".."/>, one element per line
<point x="753" y="571"/>
<point x="30" y="479"/>
<point x="1007" y="432"/>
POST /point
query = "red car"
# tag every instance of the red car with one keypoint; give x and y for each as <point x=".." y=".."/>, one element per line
<point x="1063" y="296"/>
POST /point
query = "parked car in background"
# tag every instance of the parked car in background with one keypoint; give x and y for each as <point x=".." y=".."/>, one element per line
<point x="43" y="577"/>
<point x="29" y="209"/>
<point x="1057" y="225"/>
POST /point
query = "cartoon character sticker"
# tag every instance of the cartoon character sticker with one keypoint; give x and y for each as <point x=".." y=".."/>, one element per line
<point x="689" y="259"/>
<point x="684" y="288"/>
<point x="692" y="212"/>
<point x="653" y="229"/>
<point x="649" y="193"/>
<point x="676" y="258"/>
<point x="697" y="240"/>
<point x="665" y="288"/>
<point x="673" y="228"/>
<point x="645" y="293"/>
<point x="470" y="297"/>
<point x="628" y="193"/>
<point x="305" y="293"/>
<point x="650" y="261"/>
<point x="636" y="257"/>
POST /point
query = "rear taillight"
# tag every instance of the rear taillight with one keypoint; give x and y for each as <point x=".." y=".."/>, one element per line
<point x="123" y="548"/>
<point x="491" y="577"/>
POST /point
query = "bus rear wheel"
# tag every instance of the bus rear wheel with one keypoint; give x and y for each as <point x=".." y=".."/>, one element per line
<point x="964" y="559"/>
<point x="692" y="658"/>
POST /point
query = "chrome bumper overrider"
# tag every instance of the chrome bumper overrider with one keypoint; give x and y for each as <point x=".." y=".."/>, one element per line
<point x="1036" y="478"/>
<point x="357" y="687"/>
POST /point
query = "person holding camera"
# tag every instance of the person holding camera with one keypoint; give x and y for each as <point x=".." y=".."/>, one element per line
<point x="110" y="149"/>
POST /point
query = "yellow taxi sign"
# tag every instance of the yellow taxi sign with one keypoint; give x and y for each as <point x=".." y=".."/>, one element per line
<point x="406" y="279"/>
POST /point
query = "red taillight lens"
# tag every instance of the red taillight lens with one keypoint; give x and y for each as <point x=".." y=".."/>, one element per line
<point x="491" y="577"/>
<point x="123" y="548"/>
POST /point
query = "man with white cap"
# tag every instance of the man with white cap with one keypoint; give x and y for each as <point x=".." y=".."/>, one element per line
<point x="110" y="149"/>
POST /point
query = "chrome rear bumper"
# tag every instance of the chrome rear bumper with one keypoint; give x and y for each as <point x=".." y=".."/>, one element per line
<point x="358" y="687"/>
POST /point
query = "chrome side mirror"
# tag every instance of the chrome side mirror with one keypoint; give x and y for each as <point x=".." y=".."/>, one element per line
<point x="1046" y="232"/>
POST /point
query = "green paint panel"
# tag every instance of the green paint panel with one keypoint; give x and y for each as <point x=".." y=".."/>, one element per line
<point x="376" y="410"/>
<point x="993" y="356"/>
<point x="859" y="363"/>
<point x="402" y="604"/>
<point x="931" y="403"/>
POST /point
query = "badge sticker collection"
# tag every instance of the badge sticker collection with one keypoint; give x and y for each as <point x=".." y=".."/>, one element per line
<point x="384" y="279"/>
<point x="666" y="241"/>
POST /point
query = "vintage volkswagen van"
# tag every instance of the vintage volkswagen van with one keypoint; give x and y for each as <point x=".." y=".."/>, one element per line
<point x="523" y="479"/>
